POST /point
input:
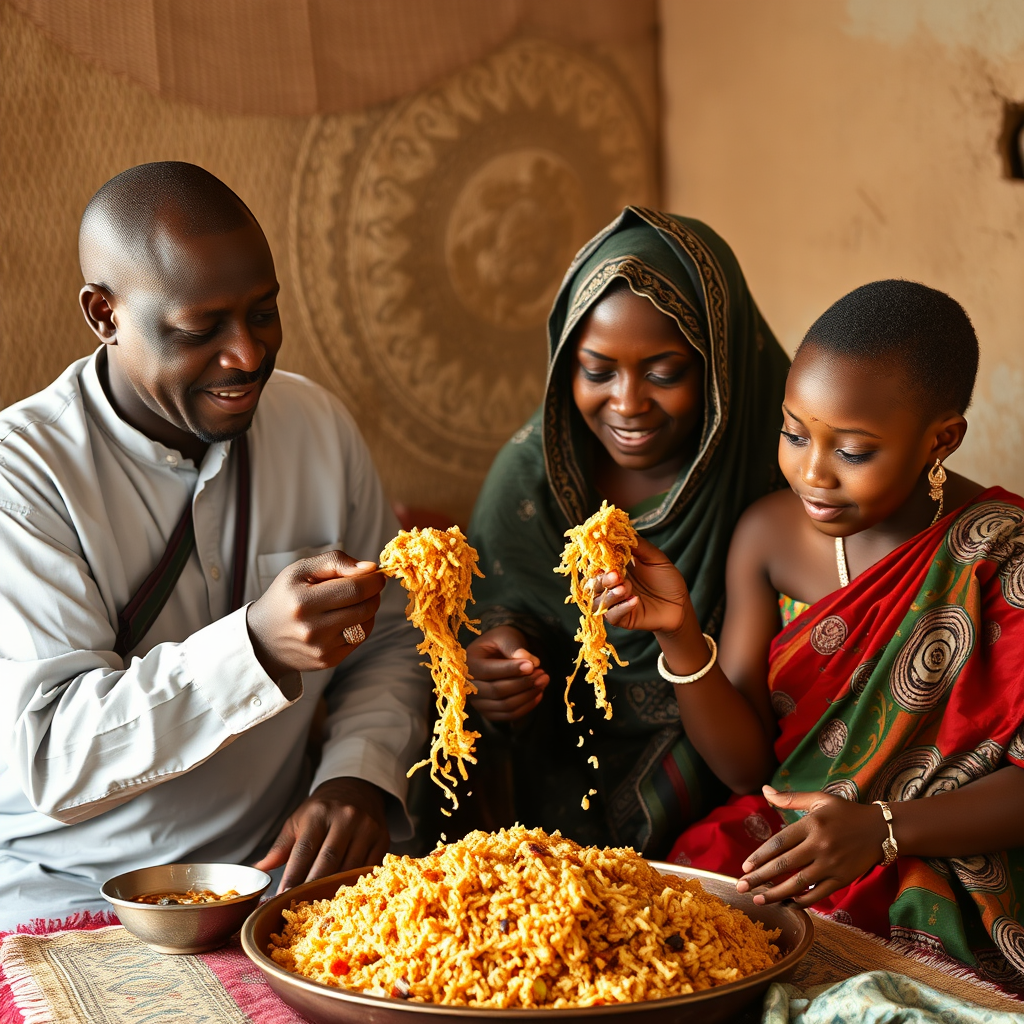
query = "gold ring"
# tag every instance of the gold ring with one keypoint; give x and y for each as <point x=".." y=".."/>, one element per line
<point x="354" y="634"/>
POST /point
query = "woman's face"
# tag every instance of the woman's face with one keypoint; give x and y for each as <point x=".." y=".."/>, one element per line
<point x="852" y="447"/>
<point x="638" y="383"/>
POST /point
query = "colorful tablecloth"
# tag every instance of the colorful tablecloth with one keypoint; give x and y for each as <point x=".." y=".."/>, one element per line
<point x="97" y="973"/>
<point x="104" y="975"/>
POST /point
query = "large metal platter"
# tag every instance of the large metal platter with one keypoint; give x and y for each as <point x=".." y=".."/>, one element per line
<point x="324" y="1004"/>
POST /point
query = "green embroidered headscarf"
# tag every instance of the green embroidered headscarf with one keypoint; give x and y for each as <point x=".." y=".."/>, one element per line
<point x="649" y="779"/>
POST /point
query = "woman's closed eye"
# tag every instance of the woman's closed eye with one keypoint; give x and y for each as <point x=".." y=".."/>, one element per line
<point x="666" y="380"/>
<point x="794" y="439"/>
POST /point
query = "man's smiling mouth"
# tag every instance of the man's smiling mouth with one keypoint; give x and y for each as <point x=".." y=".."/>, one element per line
<point x="240" y="398"/>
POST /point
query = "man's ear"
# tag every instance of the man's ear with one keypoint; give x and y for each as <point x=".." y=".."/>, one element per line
<point x="949" y="436"/>
<point x="95" y="302"/>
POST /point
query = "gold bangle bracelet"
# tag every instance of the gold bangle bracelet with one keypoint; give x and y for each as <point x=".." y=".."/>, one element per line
<point x="664" y="672"/>
<point x="890" y="851"/>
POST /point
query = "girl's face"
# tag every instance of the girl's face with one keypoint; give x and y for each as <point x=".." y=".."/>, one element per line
<point x="853" y="444"/>
<point x="638" y="383"/>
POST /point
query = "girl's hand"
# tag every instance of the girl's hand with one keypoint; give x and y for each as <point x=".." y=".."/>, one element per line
<point x="508" y="677"/>
<point x="653" y="595"/>
<point x="835" y="842"/>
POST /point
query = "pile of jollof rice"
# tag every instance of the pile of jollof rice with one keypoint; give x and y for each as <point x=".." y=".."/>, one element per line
<point x="522" y="919"/>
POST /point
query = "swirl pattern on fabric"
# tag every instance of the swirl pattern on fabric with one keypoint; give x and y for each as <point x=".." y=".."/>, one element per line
<point x="828" y="635"/>
<point x="931" y="659"/>
<point x="928" y="709"/>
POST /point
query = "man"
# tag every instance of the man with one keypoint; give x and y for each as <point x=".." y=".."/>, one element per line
<point x="179" y="535"/>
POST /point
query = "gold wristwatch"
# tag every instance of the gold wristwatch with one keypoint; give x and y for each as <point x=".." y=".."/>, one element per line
<point x="890" y="851"/>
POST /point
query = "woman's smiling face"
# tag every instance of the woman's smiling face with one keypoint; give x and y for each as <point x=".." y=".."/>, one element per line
<point x="638" y="383"/>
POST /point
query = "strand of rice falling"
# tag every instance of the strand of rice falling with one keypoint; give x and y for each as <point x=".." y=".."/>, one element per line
<point x="604" y="543"/>
<point x="437" y="567"/>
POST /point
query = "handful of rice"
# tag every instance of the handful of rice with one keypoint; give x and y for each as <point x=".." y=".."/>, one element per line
<point x="437" y="568"/>
<point x="522" y="919"/>
<point x="604" y="543"/>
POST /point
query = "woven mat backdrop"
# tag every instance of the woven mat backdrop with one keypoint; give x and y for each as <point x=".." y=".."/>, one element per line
<point x="419" y="242"/>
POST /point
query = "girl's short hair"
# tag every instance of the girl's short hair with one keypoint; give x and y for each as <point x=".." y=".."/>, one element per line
<point x="920" y="330"/>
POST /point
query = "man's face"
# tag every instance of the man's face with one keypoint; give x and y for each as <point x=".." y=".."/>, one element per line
<point x="196" y="337"/>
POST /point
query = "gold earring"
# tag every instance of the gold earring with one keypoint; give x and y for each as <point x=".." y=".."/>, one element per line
<point x="936" y="478"/>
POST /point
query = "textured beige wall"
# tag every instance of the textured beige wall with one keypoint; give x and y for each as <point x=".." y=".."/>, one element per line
<point x="833" y="143"/>
<point x="418" y="242"/>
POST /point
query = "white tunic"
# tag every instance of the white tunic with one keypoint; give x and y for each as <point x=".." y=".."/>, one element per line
<point x="188" y="750"/>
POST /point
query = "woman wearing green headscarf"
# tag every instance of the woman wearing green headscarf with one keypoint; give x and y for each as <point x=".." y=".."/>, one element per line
<point x="663" y="395"/>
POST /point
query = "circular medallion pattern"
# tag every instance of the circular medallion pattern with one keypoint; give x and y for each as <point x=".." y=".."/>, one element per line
<point x="931" y="658"/>
<point x="1011" y="576"/>
<point x="845" y="789"/>
<point x="1016" y="747"/>
<point x="957" y="771"/>
<point x="828" y="635"/>
<point x="502" y="268"/>
<point x="832" y="737"/>
<point x="782" y="704"/>
<point x="990" y="753"/>
<point x="1009" y="937"/>
<point x="862" y="673"/>
<point x="993" y="631"/>
<point x="986" y="872"/>
<point x="995" y="966"/>
<point x="905" y="775"/>
<point x="429" y="237"/>
<point x="757" y="827"/>
<point x="984" y="531"/>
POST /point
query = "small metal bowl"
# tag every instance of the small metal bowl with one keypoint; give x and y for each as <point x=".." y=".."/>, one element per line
<point x="185" y="929"/>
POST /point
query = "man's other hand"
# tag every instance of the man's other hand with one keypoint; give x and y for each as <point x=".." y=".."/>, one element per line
<point x="342" y="825"/>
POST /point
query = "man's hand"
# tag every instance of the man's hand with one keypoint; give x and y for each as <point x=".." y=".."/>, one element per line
<point x="508" y="678"/>
<point x="342" y="825"/>
<point x="297" y="625"/>
<point x="835" y="842"/>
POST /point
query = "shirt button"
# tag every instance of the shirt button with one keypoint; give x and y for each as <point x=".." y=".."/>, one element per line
<point x="256" y="702"/>
<point x="172" y="460"/>
<point x="215" y="572"/>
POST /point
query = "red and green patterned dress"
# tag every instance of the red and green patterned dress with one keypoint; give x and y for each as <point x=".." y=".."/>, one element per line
<point x="907" y="683"/>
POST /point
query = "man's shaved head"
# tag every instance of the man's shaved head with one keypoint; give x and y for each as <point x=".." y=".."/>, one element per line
<point x="180" y="287"/>
<point x="125" y="225"/>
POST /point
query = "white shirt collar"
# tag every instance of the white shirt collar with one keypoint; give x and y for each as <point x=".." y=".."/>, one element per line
<point x="141" y="448"/>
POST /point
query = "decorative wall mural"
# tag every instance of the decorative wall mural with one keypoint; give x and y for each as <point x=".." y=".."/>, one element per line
<point x="428" y="240"/>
